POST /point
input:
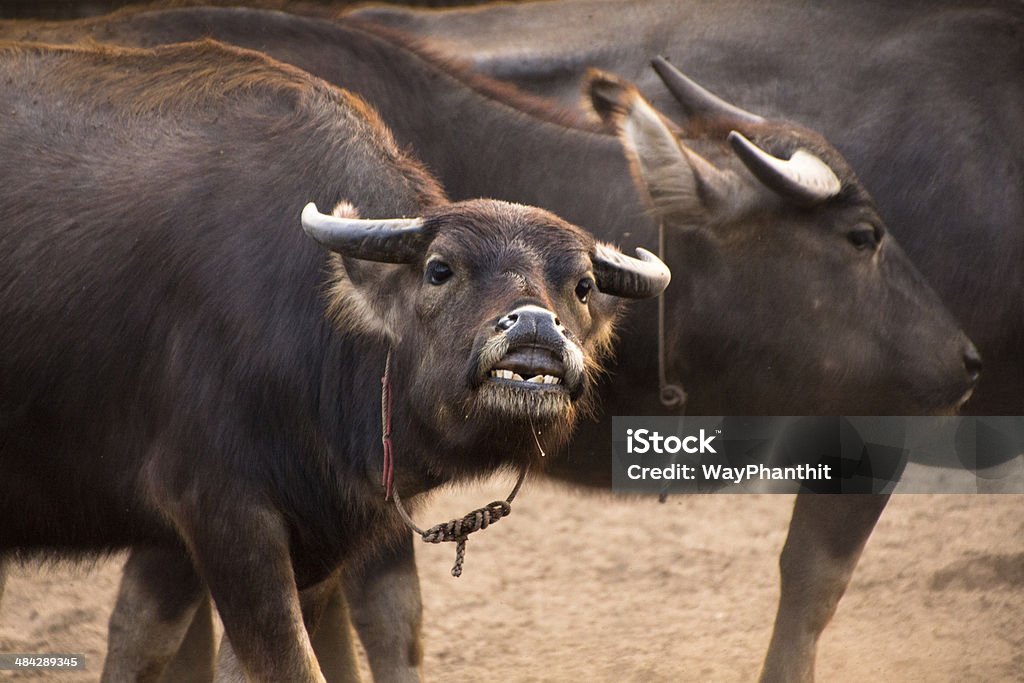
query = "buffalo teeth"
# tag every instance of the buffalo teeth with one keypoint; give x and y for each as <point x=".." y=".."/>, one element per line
<point x="545" y="379"/>
<point x="536" y="379"/>
<point x="506" y="374"/>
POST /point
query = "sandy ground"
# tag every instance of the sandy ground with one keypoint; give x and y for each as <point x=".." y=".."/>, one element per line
<point x="583" y="587"/>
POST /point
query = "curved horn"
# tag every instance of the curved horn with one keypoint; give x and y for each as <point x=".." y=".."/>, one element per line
<point x="694" y="99"/>
<point x="625" y="276"/>
<point x="397" y="240"/>
<point x="804" y="177"/>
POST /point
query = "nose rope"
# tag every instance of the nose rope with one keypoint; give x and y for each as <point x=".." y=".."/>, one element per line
<point x="388" y="470"/>
<point x="455" y="530"/>
<point x="671" y="395"/>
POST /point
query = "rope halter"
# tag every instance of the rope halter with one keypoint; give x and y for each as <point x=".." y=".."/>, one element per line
<point x="453" y="531"/>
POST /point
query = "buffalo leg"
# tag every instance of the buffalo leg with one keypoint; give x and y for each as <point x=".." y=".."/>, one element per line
<point x="332" y="640"/>
<point x="826" y="537"/>
<point x="195" y="659"/>
<point x="156" y="602"/>
<point x="384" y="601"/>
<point x="323" y="601"/>
<point x="251" y="580"/>
<point x="385" y="594"/>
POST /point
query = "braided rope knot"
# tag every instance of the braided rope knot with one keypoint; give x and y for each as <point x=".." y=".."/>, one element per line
<point x="458" y="530"/>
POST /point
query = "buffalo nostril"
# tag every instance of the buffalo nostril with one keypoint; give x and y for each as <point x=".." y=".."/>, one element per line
<point x="507" y="322"/>
<point x="972" y="363"/>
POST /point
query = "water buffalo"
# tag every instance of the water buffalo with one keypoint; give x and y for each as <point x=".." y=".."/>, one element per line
<point x="482" y="138"/>
<point x="185" y="371"/>
<point x="924" y="98"/>
<point x="793" y="234"/>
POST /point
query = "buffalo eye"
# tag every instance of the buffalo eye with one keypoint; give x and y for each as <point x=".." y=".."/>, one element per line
<point x="583" y="289"/>
<point x="865" y="237"/>
<point x="438" y="272"/>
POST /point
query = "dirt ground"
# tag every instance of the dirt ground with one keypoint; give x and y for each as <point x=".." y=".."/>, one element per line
<point x="583" y="587"/>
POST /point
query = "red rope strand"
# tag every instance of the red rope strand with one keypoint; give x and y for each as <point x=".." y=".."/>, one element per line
<point x="388" y="473"/>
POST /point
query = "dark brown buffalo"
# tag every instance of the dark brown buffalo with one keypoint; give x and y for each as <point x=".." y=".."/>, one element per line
<point x="752" y="288"/>
<point x="185" y="372"/>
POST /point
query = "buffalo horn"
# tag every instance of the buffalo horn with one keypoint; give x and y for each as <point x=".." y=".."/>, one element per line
<point x="396" y="240"/>
<point x="803" y="177"/>
<point x="696" y="100"/>
<point x="625" y="276"/>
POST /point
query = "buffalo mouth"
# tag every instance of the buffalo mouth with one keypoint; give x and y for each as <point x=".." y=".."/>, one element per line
<point x="529" y="368"/>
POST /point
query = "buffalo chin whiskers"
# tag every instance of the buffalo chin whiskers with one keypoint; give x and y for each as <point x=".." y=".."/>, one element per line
<point x="508" y="400"/>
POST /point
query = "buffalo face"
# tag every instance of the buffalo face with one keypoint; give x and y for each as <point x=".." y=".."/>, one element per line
<point x="792" y="296"/>
<point x="497" y="315"/>
<point x="531" y="364"/>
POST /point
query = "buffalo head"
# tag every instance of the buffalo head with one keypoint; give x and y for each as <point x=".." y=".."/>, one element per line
<point x="792" y="296"/>
<point x="497" y="314"/>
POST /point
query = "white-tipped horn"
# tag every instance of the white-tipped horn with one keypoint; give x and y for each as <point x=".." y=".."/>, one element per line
<point x="625" y="276"/>
<point x="393" y="240"/>
<point x="803" y="177"/>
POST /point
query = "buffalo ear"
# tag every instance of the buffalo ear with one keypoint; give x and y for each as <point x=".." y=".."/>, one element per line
<point x="361" y="297"/>
<point x="682" y="185"/>
<point x="361" y="293"/>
